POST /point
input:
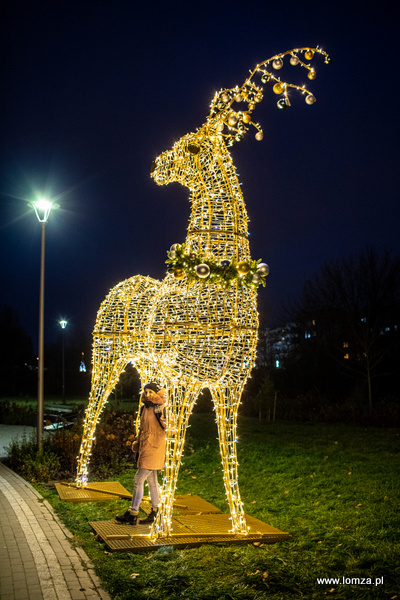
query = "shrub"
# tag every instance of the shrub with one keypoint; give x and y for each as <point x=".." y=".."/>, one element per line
<point x="34" y="465"/>
<point x="12" y="413"/>
<point x="111" y="451"/>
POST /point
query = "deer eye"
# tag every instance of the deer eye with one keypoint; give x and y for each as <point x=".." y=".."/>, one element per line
<point x="193" y="148"/>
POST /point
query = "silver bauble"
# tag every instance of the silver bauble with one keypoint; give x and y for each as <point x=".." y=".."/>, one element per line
<point x="202" y="271"/>
<point x="263" y="268"/>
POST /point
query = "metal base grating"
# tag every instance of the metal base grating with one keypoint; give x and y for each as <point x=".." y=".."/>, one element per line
<point x="94" y="492"/>
<point x="187" y="531"/>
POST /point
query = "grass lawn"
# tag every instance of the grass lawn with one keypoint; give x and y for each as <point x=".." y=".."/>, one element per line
<point x="333" y="487"/>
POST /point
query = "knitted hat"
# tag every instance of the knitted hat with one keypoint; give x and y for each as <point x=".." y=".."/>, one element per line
<point x="152" y="386"/>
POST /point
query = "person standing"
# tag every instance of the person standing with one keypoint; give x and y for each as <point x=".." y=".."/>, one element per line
<point x="150" y="445"/>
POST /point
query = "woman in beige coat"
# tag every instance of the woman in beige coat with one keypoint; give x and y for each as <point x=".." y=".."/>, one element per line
<point x="150" y="444"/>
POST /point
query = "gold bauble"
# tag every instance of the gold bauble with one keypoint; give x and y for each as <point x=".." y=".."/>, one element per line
<point x="243" y="267"/>
<point x="246" y="118"/>
<point x="294" y="60"/>
<point x="308" y="54"/>
<point x="232" y="120"/>
<point x="179" y="274"/>
<point x="310" y="99"/>
<point x="278" y="87"/>
<point x="238" y="98"/>
<point x="259" y="136"/>
<point x="277" y="63"/>
<point x="312" y="74"/>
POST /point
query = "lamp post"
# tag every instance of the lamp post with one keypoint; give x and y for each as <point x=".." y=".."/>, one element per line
<point x="42" y="209"/>
<point x="63" y="324"/>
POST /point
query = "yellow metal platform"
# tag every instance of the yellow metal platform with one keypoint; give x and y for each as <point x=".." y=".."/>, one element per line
<point x="187" y="531"/>
<point x="185" y="505"/>
<point x="93" y="492"/>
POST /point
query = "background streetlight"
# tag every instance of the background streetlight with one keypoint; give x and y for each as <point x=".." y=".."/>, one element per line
<point x="63" y="324"/>
<point x="42" y="208"/>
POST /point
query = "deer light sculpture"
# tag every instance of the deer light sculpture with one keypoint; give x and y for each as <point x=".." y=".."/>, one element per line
<point x="198" y="328"/>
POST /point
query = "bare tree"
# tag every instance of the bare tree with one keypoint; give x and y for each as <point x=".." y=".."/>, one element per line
<point x="351" y="308"/>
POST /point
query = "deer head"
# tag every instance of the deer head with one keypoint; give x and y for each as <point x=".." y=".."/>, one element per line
<point x="231" y="116"/>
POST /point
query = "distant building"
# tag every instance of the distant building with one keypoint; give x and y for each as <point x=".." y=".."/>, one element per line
<point x="275" y="345"/>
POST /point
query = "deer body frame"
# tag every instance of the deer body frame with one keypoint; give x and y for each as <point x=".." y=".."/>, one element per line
<point x="185" y="334"/>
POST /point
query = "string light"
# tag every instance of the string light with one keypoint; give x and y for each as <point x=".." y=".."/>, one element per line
<point x="197" y="328"/>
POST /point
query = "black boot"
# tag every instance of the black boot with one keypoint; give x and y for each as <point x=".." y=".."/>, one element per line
<point x="150" y="518"/>
<point x="127" y="517"/>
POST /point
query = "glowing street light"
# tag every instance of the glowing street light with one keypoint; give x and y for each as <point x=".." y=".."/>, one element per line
<point x="42" y="208"/>
<point x="63" y="324"/>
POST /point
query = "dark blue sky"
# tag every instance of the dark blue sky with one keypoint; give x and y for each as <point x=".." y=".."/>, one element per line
<point x="93" y="91"/>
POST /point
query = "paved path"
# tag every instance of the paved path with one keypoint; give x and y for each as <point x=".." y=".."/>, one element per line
<point x="37" y="559"/>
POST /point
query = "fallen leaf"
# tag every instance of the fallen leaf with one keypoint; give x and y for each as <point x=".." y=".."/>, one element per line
<point x="265" y="575"/>
<point x="254" y="502"/>
<point x="358" y="505"/>
<point x="134" y="575"/>
<point x="194" y="477"/>
<point x="287" y="491"/>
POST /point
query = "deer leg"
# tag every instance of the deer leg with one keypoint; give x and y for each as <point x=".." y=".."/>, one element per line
<point x="180" y="404"/>
<point x="226" y="402"/>
<point x="108" y="365"/>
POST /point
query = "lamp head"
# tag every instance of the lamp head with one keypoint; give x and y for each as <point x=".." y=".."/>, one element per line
<point x="42" y="208"/>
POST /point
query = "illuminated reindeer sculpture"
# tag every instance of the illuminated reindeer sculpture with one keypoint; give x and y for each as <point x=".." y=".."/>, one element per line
<point x="198" y="328"/>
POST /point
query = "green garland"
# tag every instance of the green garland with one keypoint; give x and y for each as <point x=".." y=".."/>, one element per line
<point x="246" y="273"/>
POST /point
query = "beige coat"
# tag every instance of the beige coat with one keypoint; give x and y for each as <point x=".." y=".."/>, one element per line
<point x="150" y="442"/>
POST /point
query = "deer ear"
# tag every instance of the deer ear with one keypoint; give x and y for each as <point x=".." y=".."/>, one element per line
<point x="193" y="148"/>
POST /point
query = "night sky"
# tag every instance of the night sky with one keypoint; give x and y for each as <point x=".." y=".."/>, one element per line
<point x="93" y="91"/>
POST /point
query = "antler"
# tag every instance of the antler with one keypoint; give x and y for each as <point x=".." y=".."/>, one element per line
<point x="234" y="122"/>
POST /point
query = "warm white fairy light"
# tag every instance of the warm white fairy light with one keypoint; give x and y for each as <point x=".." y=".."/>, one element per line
<point x="197" y="328"/>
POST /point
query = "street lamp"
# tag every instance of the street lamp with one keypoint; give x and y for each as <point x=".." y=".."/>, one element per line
<point x="63" y="324"/>
<point x="42" y="208"/>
